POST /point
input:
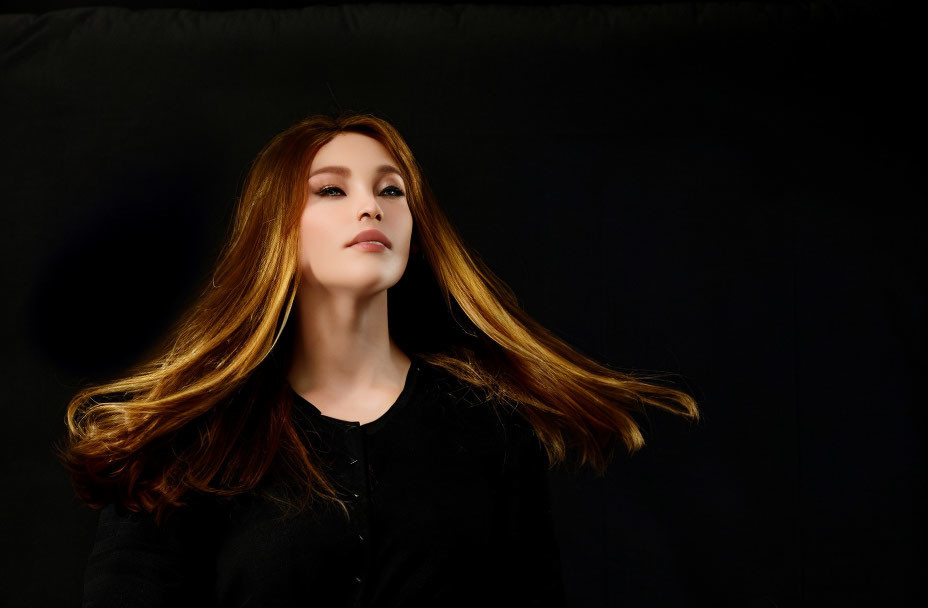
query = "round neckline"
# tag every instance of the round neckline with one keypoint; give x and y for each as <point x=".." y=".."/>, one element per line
<point x="409" y="384"/>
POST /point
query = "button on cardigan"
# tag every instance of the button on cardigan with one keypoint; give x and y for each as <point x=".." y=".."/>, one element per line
<point x="448" y="502"/>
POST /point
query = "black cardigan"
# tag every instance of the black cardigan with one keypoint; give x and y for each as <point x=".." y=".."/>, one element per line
<point x="449" y="506"/>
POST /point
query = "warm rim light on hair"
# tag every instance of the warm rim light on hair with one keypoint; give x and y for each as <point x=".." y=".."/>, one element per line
<point x="209" y="415"/>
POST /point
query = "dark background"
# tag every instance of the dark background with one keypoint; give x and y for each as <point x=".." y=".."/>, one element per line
<point x="727" y="191"/>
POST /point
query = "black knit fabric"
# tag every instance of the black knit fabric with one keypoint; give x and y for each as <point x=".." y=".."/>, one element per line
<point x="448" y="502"/>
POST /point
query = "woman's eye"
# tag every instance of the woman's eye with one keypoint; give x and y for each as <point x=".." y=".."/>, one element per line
<point x="328" y="189"/>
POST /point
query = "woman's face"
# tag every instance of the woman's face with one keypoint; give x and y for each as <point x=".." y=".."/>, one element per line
<point x="353" y="187"/>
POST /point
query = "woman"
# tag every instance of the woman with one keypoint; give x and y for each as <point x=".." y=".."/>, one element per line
<point x="297" y="440"/>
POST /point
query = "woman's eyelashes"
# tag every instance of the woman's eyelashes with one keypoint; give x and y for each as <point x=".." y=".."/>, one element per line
<point x="329" y="190"/>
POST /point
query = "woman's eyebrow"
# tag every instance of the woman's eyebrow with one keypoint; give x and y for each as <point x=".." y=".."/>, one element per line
<point x="347" y="172"/>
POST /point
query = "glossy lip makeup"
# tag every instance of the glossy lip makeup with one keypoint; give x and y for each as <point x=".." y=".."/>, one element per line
<point x="369" y="246"/>
<point x="370" y="240"/>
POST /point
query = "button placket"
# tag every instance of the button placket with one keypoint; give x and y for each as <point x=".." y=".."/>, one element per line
<point x="357" y="479"/>
<point x="354" y="449"/>
<point x="357" y="473"/>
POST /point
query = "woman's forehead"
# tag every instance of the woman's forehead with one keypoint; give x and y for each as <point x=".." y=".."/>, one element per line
<point x="351" y="149"/>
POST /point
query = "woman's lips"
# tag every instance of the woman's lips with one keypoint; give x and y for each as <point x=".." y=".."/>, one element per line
<point x="369" y="246"/>
<point x="371" y="235"/>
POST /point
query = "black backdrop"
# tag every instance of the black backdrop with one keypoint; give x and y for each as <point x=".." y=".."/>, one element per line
<point x="726" y="191"/>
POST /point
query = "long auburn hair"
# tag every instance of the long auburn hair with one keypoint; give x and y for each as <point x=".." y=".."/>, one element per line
<point x="207" y="414"/>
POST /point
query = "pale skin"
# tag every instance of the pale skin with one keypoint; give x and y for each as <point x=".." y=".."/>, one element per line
<point x="344" y="360"/>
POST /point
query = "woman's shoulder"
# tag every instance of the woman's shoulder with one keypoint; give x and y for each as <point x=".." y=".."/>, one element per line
<point x="193" y="519"/>
<point x="448" y="394"/>
<point x="136" y="560"/>
<point x="443" y="383"/>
